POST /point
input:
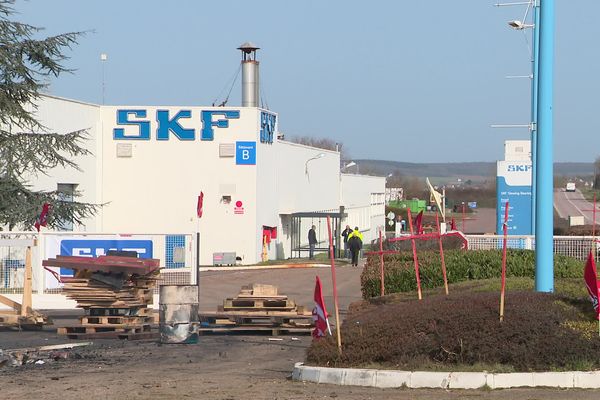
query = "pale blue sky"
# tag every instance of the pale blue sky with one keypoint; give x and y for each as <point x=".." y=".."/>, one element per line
<point x="417" y="81"/>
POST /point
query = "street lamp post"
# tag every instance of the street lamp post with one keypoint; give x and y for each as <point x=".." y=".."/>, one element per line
<point x="103" y="58"/>
<point x="320" y="155"/>
<point x="520" y="25"/>
<point x="351" y="164"/>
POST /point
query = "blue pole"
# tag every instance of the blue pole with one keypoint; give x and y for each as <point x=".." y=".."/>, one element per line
<point x="544" y="255"/>
<point x="534" y="105"/>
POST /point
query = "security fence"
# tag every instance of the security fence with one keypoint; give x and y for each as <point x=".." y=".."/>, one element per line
<point x="572" y="246"/>
<point x="176" y="253"/>
<point x="13" y="247"/>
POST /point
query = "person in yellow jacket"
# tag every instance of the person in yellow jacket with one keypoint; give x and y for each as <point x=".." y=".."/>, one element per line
<point x="355" y="242"/>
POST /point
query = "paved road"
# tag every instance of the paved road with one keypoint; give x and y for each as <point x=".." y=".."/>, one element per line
<point x="483" y="220"/>
<point x="573" y="203"/>
<point x="296" y="283"/>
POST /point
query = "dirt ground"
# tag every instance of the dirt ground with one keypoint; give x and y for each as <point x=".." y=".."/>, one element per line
<point x="219" y="366"/>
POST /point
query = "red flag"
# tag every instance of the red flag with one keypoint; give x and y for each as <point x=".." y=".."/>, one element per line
<point x="419" y="223"/>
<point x="452" y="224"/>
<point x="320" y="313"/>
<point x="199" y="205"/>
<point x="43" y="218"/>
<point x="591" y="282"/>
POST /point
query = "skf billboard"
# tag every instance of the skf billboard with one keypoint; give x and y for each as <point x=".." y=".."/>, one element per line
<point x="513" y="185"/>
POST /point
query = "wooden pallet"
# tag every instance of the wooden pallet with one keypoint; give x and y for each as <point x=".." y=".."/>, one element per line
<point x="115" y="335"/>
<point x="115" y="320"/>
<point x="273" y="331"/>
<point x="256" y="318"/>
<point x="102" y="329"/>
<point x="118" y="311"/>
<point x="258" y="304"/>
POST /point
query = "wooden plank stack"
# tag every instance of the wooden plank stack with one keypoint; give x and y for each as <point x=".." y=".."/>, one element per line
<point x="257" y="308"/>
<point x="114" y="292"/>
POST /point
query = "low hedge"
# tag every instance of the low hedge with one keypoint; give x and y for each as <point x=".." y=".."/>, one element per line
<point x="540" y="332"/>
<point x="461" y="265"/>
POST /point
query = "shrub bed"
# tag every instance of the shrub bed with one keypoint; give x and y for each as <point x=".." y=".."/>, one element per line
<point x="540" y="332"/>
<point x="460" y="266"/>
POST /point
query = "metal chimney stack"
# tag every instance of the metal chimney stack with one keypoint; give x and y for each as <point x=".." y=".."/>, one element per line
<point x="249" y="75"/>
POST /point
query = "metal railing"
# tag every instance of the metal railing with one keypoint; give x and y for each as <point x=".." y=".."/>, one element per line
<point x="13" y="247"/>
<point x="572" y="246"/>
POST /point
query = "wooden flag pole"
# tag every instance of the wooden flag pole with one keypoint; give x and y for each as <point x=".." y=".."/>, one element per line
<point x="381" y="264"/>
<point x="594" y="226"/>
<point x="594" y="246"/>
<point x="27" y="303"/>
<point x="415" y="259"/>
<point x="437" y="222"/>
<point x="504" y="240"/>
<point x="335" y="296"/>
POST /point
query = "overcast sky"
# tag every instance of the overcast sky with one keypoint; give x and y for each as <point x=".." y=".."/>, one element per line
<point x="417" y="81"/>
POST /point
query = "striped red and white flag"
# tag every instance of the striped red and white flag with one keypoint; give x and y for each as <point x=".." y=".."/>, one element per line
<point x="320" y="313"/>
<point x="591" y="282"/>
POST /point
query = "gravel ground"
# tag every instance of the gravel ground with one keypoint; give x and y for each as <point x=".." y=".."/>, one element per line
<point x="218" y="367"/>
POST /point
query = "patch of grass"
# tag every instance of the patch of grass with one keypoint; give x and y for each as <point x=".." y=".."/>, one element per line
<point x="588" y="329"/>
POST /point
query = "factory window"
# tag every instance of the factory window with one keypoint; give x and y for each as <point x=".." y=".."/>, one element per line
<point x="66" y="192"/>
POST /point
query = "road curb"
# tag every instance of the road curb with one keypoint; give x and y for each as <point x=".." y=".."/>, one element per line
<point x="445" y="380"/>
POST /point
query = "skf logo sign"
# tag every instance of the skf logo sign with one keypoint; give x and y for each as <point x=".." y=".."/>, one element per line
<point x="519" y="168"/>
<point x="171" y="124"/>
<point x="267" y="127"/>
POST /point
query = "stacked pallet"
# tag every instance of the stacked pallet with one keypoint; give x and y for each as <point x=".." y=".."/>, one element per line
<point x="257" y="308"/>
<point x="113" y="291"/>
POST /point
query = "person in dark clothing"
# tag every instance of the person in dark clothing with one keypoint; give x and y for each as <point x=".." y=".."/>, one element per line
<point x="345" y="235"/>
<point x="355" y="244"/>
<point x="312" y="242"/>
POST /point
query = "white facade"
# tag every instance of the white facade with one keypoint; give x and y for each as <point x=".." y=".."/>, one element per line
<point x="149" y="164"/>
<point x="363" y="198"/>
<point x="517" y="150"/>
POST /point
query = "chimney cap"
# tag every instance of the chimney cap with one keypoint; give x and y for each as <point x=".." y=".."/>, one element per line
<point x="248" y="47"/>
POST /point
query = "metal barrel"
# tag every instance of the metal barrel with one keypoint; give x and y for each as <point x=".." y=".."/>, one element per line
<point x="178" y="311"/>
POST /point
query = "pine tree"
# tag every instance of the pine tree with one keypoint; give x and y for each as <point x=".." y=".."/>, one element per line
<point x="26" y="146"/>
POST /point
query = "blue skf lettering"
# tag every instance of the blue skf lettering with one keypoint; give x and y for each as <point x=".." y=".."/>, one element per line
<point x="267" y="127"/>
<point x="519" y="168"/>
<point x="166" y="125"/>
<point x="123" y="119"/>
<point x="208" y="123"/>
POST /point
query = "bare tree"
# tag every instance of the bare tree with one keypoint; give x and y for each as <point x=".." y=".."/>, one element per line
<point x="322" y="143"/>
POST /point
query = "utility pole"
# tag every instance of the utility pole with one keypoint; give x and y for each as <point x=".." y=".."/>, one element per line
<point x="544" y="228"/>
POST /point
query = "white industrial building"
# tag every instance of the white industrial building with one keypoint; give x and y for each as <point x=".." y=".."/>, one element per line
<point x="148" y="165"/>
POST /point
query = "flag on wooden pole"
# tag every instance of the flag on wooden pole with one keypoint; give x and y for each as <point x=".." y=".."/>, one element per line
<point x="415" y="258"/>
<point x="381" y="265"/>
<point x="419" y="223"/>
<point x="43" y="218"/>
<point x="437" y="223"/>
<point x="504" y="243"/>
<point x="333" y="281"/>
<point x="591" y="282"/>
<point x="319" y="313"/>
<point x="200" y="204"/>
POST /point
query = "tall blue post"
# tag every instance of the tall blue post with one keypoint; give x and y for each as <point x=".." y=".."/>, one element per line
<point x="534" y="104"/>
<point x="544" y="255"/>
